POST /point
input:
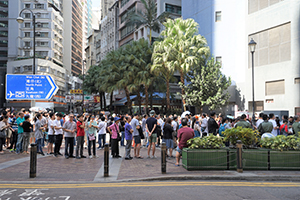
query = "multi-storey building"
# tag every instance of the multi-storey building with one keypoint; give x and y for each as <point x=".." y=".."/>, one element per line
<point x="105" y="5"/>
<point x="73" y="36"/>
<point x="49" y="42"/>
<point x="3" y="47"/>
<point x="274" y="25"/>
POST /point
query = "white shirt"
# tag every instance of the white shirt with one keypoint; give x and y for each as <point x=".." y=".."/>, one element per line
<point x="50" y="123"/>
<point x="205" y="124"/>
<point x="259" y="121"/>
<point x="58" y="125"/>
<point x="174" y="125"/>
<point x="102" y="128"/>
<point x="274" y="132"/>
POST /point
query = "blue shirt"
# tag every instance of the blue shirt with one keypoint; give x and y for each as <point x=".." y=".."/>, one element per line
<point x="128" y="134"/>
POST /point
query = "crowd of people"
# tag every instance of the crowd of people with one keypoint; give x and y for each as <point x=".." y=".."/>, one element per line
<point x="87" y="130"/>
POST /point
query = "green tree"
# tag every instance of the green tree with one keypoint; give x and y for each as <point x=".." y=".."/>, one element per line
<point x="189" y="47"/>
<point x="207" y="86"/>
<point x="163" y="64"/>
<point x="147" y="17"/>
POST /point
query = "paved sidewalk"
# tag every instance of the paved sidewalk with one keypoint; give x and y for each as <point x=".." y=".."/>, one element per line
<point x="15" y="168"/>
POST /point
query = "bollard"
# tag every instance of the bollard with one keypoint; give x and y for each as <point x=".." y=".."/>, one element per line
<point x="33" y="158"/>
<point x="239" y="158"/>
<point x="163" y="158"/>
<point x="106" y="160"/>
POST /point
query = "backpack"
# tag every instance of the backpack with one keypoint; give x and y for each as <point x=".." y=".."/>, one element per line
<point x="222" y="129"/>
<point x="282" y="131"/>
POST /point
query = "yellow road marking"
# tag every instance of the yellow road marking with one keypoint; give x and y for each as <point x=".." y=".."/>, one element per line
<point x="152" y="184"/>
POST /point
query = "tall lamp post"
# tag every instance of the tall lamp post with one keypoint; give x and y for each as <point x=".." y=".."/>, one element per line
<point x="20" y="20"/>
<point x="252" y="45"/>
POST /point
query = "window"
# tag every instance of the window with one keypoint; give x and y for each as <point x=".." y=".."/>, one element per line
<point x="42" y="44"/>
<point x="42" y="34"/>
<point x="26" y="44"/>
<point x="256" y="5"/>
<point x="123" y="17"/>
<point x="3" y="43"/>
<point x="218" y="16"/>
<point x="27" y="15"/>
<point x="219" y="60"/>
<point x="126" y="31"/>
<point x="42" y="53"/>
<point x="3" y="33"/>
<point x="258" y="106"/>
<point x="274" y="46"/>
<point x="27" y="5"/>
<point x="42" y="68"/>
<point x="275" y="87"/>
<point x="27" y="34"/>
<point x="17" y="69"/>
<point x="27" y="25"/>
<point x="173" y="9"/>
<point x="27" y="68"/>
<point x="297" y="111"/>
<point x="3" y="24"/>
<point x="3" y="53"/>
<point x="3" y="13"/>
<point x="39" y="6"/>
<point x="26" y="53"/>
<point x="3" y="4"/>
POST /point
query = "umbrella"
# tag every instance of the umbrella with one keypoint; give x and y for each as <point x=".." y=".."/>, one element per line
<point x="267" y="135"/>
<point x="37" y="109"/>
<point x="185" y="113"/>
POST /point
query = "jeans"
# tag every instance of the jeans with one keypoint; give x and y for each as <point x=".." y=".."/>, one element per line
<point x="2" y="142"/>
<point x="19" y="142"/>
<point x="101" y="137"/>
<point x="39" y="145"/>
<point x="26" y="136"/>
<point x="80" y="142"/>
<point x="197" y="133"/>
<point x="128" y="148"/>
<point x="58" y="141"/>
<point x="69" y="144"/>
<point x="123" y="138"/>
<point x="92" y="142"/>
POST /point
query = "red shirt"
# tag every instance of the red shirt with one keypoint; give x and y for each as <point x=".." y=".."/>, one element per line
<point x="80" y="131"/>
<point x="184" y="134"/>
<point x="286" y="128"/>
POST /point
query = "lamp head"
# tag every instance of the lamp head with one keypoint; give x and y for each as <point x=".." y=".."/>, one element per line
<point x="20" y="20"/>
<point x="252" y="45"/>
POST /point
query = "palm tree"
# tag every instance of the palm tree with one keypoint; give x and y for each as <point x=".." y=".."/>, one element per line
<point x="163" y="64"/>
<point x="189" y="47"/>
<point x="148" y="18"/>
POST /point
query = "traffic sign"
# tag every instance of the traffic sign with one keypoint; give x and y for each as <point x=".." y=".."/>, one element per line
<point x="78" y="91"/>
<point x="30" y="87"/>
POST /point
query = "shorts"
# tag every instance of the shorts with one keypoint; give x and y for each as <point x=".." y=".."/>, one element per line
<point x="169" y="143"/>
<point x="179" y="150"/>
<point x="137" y="139"/>
<point x="51" y="139"/>
<point x="152" y="138"/>
<point x="9" y="133"/>
<point x="32" y="134"/>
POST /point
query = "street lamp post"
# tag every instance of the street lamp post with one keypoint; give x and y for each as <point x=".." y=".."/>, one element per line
<point x="20" y="20"/>
<point x="252" y="45"/>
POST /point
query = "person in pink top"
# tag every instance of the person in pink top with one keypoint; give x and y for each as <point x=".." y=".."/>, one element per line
<point x="184" y="134"/>
<point x="114" y="131"/>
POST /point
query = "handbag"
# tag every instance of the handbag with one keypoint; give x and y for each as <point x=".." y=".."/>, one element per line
<point x="3" y="133"/>
<point x="118" y="134"/>
<point x="91" y="137"/>
<point x="141" y="133"/>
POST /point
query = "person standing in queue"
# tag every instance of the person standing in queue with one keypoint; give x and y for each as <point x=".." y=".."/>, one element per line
<point x="80" y="137"/>
<point x="114" y="132"/>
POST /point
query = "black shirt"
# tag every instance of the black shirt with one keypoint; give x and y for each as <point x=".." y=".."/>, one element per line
<point x="212" y="126"/>
<point x="151" y="121"/>
<point x="27" y="126"/>
<point x="168" y="130"/>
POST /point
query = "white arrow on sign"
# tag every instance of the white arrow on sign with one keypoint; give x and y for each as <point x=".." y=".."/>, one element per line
<point x="53" y="87"/>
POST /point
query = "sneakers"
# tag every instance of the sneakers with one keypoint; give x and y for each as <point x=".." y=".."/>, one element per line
<point x="95" y="156"/>
<point x="153" y="157"/>
<point x="77" y="157"/>
<point x="90" y="157"/>
<point x="148" y="156"/>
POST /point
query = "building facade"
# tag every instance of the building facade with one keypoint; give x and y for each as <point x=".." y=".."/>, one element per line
<point x="73" y="36"/>
<point x="274" y="25"/>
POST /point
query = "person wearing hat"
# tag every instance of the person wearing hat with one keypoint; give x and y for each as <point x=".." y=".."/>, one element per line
<point x="151" y="124"/>
<point x="114" y="132"/>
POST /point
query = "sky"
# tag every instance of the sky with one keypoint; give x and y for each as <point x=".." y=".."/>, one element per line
<point x="96" y="3"/>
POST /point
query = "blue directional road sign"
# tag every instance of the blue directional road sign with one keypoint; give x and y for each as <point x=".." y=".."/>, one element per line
<point x="30" y="87"/>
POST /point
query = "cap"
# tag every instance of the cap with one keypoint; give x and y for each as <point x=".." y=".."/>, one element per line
<point x="116" y="118"/>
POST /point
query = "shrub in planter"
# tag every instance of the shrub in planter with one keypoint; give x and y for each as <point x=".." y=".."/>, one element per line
<point x="246" y="135"/>
<point x="208" y="142"/>
<point x="281" y="143"/>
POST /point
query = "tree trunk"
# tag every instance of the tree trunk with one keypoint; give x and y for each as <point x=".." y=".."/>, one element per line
<point x="146" y="98"/>
<point x="151" y="97"/>
<point x="168" y="95"/>
<point x="182" y="89"/>
<point x="128" y="100"/>
<point x="104" y="101"/>
<point x="140" y="102"/>
<point x="111" y="101"/>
